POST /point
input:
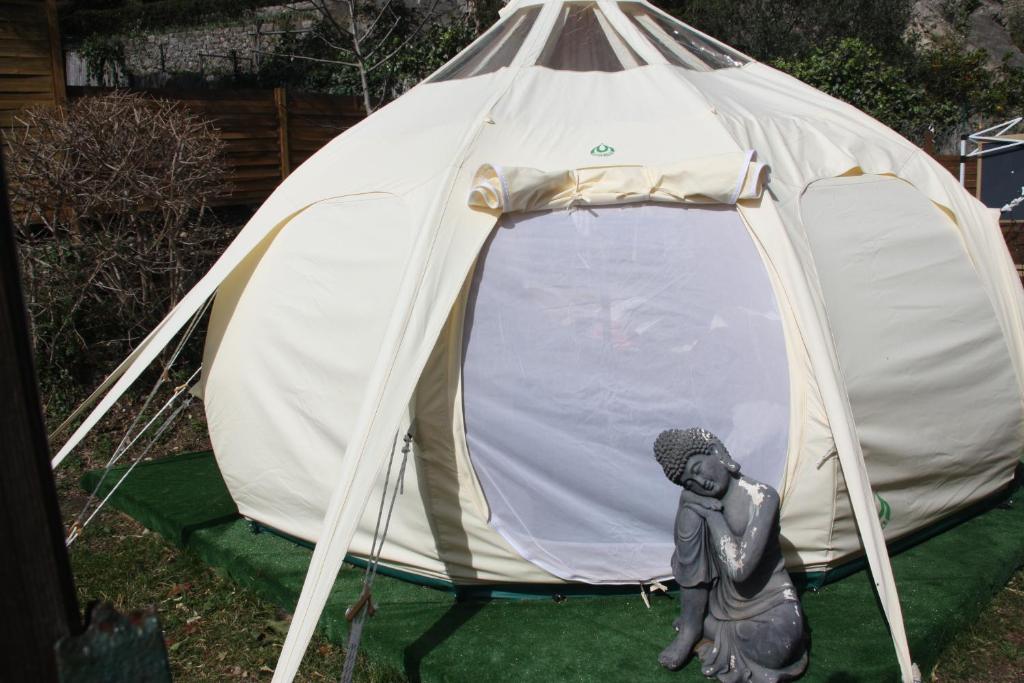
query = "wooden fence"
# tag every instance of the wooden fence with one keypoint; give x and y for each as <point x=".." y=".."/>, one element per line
<point x="31" y="62"/>
<point x="266" y="133"/>
<point x="972" y="171"/>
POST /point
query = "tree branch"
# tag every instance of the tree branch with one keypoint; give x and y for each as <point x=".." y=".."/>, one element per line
<point x="383" y="40"/>
<point x="429" y="14"/>
<point x="376" y="19"/>
<point x="321" y="7"/>
<point x="331" y="45"/>
<point x="308" y="59"/>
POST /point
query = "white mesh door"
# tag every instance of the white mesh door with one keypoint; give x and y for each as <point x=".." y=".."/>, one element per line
<point x="587" y="333"/>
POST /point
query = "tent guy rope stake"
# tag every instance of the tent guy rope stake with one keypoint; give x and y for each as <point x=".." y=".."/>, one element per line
<point x="653" y="587"/>
<point x="364" y="606"/>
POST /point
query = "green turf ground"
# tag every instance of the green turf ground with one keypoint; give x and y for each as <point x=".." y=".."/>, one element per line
<point x="427" y="635"/>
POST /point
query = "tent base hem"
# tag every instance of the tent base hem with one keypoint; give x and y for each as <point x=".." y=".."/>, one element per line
<point x="804" y="581"/>
<point x="430" y="635"/>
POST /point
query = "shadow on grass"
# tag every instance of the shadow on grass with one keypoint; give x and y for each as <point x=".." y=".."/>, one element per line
<point x="453" y="619"/>
<point x="189" y="529"/>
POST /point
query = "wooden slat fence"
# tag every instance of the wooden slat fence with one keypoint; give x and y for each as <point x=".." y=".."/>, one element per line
<point x="1013" y="231"/>
<point x="951" y="162"/>
<point x="266" y="133"/>
<point x="31" y="62"/>
<point x="313" y="120"/>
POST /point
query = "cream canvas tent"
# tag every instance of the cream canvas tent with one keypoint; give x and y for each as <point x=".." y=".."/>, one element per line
<point x="593" y="224"/>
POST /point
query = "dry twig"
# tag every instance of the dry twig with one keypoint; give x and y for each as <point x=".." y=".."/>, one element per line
<point x="111" y="199"/>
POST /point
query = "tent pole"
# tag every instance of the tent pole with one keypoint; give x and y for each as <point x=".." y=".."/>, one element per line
<point x="835" y="400"/>
<point x="963" y="160"/>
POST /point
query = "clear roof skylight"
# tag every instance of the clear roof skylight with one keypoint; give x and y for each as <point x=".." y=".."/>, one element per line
<point x="584" y="40"/>
<point x="680" y="44"/>
<point x="495" y="49"/>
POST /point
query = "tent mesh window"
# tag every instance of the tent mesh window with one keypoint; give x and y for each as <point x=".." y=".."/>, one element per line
<point x="584" y="40"/>
<point x="586" y="334"/>
<point x="680" y="44"/>
<point x="495" y="49"/>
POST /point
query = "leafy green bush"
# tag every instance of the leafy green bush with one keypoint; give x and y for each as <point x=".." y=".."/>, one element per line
<point x="943" y="87"/>
<point x="860" y="74"/>
<point x="104" y="60"/>
<point x="773" y="29"/>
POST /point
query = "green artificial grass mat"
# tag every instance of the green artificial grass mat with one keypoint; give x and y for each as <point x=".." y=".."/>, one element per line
<point x="427" y="634"/>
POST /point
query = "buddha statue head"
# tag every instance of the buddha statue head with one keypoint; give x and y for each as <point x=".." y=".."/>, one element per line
<point x="697" y="460"/>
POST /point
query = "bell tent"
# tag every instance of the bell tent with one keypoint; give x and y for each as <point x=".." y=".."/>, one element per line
<point x="593" y="224"/>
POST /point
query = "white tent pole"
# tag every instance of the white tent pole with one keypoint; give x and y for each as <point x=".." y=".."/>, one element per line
<point x="963" y="161"/>
<point x="630" y="33"/>
<point x="360" y="466"/>
<point x="399" y="363"/>
<point x="107" y="383"/>
<point x="130" y="369"/>
<point x="133" y="366"/>
<point x="766" y="224"/>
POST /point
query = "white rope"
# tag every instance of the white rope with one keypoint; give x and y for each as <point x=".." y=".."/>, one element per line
<point x="178" y="392"/>
<point x="127" y="440"/>
<point x="1013" y="204"/>
<point x="164" y="372"/>
<point x="364" y="607"/>
<point x="77" y="531"/>
<point x="182" y="390"/>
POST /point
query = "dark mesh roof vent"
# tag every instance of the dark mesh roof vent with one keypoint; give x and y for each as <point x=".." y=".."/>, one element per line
<point x="584" y="40"/>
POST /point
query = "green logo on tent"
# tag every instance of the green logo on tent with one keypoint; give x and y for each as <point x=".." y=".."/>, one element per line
<point x="603" y="150"/>
<point x="884" y="510"/>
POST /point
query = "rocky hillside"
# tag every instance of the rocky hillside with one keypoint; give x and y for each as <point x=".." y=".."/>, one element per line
<point x="996" y="26"/>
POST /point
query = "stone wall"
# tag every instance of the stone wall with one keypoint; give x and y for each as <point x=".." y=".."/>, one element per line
<point x="987" y="27"/>
<point x="203" y="53"/>
<point x="189" y="56"/>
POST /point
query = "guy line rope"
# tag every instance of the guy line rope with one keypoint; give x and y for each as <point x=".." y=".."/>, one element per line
<point x="128" y="440"/>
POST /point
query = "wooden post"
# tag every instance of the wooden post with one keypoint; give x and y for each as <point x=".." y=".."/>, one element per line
<point x="37" y="594"/>
<point x="60" y="95"/>
<point x="929" y="143"/>
<point x="281" y="100"/>
<point x="977" y="177"/>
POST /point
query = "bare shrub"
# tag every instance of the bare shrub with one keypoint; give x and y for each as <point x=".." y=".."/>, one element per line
<point x="111" y="198"/>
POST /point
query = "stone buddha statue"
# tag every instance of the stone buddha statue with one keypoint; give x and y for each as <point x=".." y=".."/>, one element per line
<point x="739" y="610"/>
